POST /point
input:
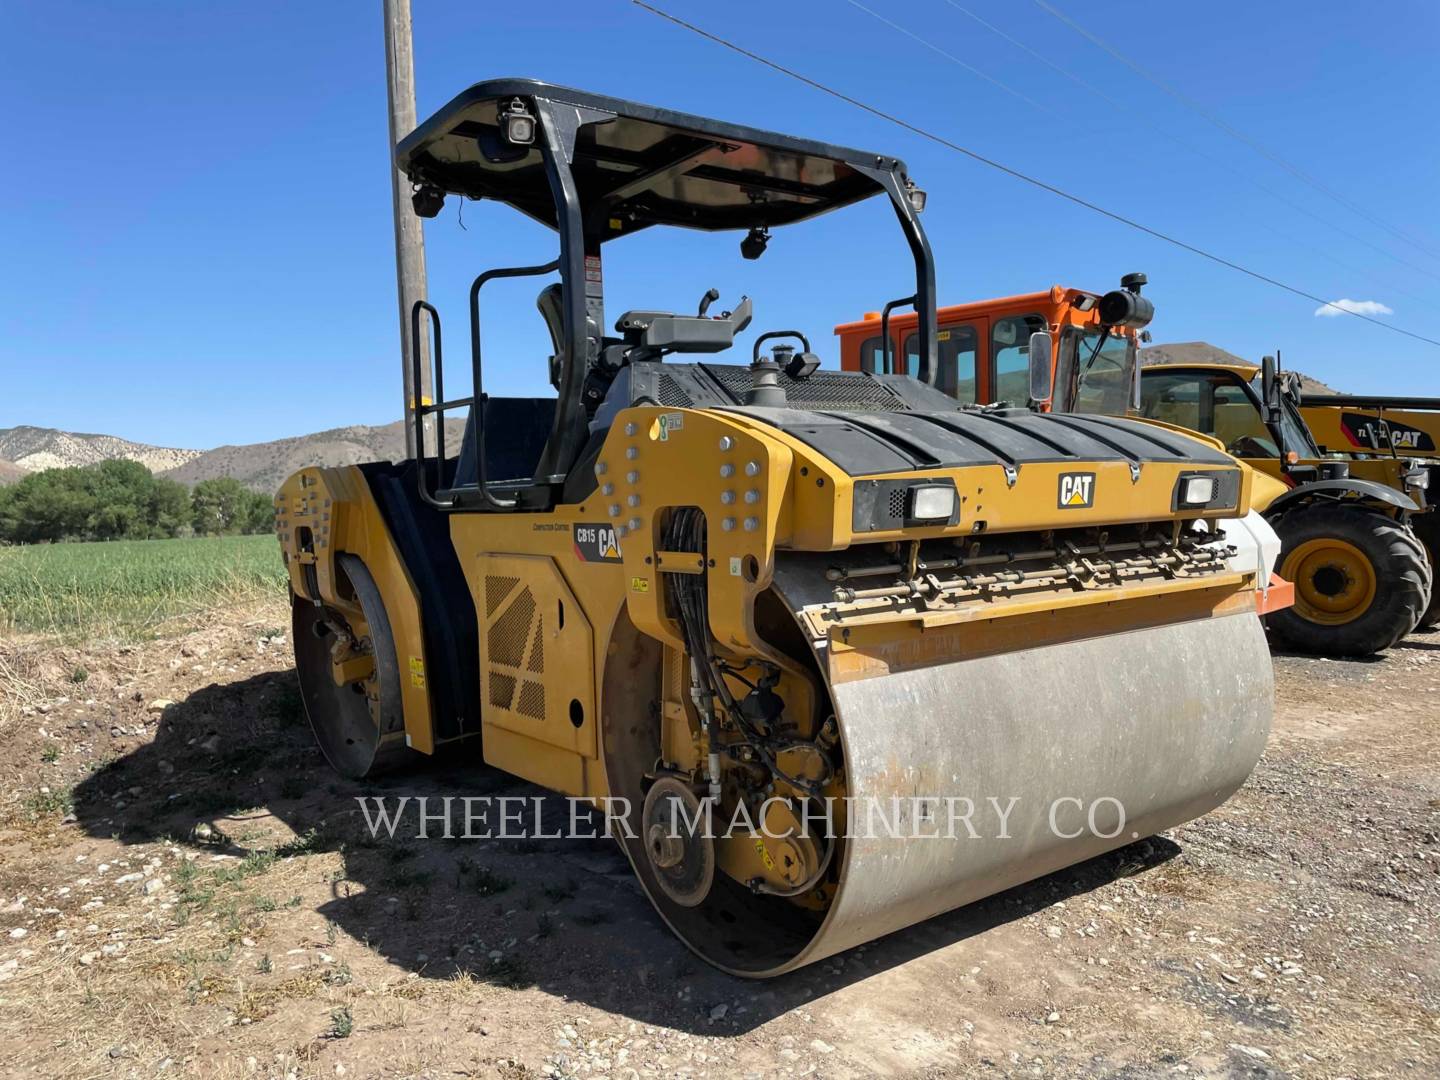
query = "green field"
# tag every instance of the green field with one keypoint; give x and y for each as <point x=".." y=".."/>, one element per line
<point x="128" y="588"/>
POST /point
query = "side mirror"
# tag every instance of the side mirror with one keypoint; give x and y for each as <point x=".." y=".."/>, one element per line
<point x="1270" y="390"/>
<point x="1042" y="367"/>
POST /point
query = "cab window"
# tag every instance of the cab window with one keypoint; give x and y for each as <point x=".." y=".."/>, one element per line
<point x="1010" y="352"/>
<point x="871" y="357"/>
<point x="1212" y="403"/>
<point x="1098" y="367"/>
<point x="957" y="346"/>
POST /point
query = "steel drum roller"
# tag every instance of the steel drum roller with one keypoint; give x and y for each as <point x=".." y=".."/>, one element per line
<point x="1175" y="725"/>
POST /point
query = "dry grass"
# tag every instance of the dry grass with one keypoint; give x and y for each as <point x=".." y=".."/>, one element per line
<point x="21" y="684"/>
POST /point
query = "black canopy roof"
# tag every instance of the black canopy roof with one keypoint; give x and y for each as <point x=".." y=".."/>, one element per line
<point x="638" y="166"/>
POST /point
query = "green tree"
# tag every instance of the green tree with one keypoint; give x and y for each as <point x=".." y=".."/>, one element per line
<point x="259" y="513"/>
<point x="169" y="510"/>
<point x="120" y="493"/>
<point x="51" y="505"/>
<point x="118" y="500"/>
<point x="219" y="506"/>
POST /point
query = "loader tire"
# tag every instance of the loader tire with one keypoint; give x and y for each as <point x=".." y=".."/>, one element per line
<point x="1427" y="529"/>
<point x="359" y="737"/>
<point x="1361" y="580"/>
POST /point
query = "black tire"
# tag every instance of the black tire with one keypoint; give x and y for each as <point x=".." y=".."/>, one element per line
<point x="345" y="728"/>
<point x="1384" y="609"/>
<point x="1427" y="529"/>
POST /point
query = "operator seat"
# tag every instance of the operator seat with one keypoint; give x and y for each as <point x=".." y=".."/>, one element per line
<point x="550" y="304"/>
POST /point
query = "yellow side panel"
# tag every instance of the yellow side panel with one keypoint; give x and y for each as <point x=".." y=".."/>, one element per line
<point x="1355" y="430"/>
<point x="320" y="513"/>
<point x="1267" y="487"/>
<point x="537" y="659"/>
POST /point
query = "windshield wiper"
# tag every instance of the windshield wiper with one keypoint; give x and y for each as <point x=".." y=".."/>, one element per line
<point x="1095" y="353"/>
<point x="1078" y="376"/>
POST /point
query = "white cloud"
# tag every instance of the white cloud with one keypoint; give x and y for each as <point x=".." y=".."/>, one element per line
<point x="1355" y="307"/>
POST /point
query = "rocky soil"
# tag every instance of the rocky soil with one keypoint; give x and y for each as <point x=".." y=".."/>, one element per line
<point x="186" y="890"/>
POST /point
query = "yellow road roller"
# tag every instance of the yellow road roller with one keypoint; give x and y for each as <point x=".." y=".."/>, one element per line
<point x="921" y="652"/>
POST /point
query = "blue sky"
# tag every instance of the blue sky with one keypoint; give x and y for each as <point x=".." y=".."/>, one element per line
<point x="196" y="204"/>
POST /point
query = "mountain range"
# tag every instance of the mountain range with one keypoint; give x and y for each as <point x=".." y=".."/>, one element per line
<point x="1201" y="352"/>
<point x="264" y="466"/>
<point x="261" y="466"/>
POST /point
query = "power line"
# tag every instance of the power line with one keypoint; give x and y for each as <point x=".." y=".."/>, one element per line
<point x="1132" y="115"/>
<point x="1016" y="173"/>
<point x="952" y="58"/>
<point x="1260" y="148"/>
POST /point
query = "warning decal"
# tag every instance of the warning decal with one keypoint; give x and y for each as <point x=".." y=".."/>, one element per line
<point x="665" y="423"/>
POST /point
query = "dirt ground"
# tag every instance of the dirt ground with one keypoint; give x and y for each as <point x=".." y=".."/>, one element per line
<point x="185" y="889"/>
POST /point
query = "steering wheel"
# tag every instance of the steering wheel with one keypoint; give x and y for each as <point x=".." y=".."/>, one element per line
<point x="1247" y="446"/>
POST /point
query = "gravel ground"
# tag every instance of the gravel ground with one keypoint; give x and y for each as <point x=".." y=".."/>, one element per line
<point x="185" y="890"/>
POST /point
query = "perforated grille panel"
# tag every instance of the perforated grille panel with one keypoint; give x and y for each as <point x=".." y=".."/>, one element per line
<point x="502" y="690"/>
<point x="532" y="701"/>
<point x="671" y="393"/>
<point x="537" y="669"/>
<point x="514" y="647"/>
<point x="824" y="391"/>
<point x="511" y="632"/>
<point x="496" y="589"/>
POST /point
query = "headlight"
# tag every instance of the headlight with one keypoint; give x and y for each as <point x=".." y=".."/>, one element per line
<point x="1214" y="490"/>
<point x="932" y="503"/>
<point x="1198" y="490"/>
<point x="922" y="503"/>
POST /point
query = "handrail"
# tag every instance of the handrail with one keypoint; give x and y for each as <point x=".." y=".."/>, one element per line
<point x="418" y="409"/>
<point x="904" y="301"/>
<point x="477" y="399"/>
<point x="477" y="386"/>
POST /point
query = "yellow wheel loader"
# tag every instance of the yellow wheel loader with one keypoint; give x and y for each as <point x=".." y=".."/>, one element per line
<point x="835" y="608"/>
<point x="1352" y="530"/>
<point x="1401" y="432"/>
<point x="1374" y="425"/>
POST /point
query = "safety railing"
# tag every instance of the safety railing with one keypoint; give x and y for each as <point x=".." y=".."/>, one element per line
<point x="439" y="406"/>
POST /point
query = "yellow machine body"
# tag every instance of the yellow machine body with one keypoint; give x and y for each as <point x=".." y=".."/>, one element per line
<point x="1355" y="426"/>
<point x="751" y="592"/>
<point x="563" y="596"/>
<point x="547" y="612"/>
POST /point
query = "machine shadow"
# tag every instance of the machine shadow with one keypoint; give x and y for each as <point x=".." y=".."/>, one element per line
<point x="563" y="915"/>
<point x="1418" y="646"/>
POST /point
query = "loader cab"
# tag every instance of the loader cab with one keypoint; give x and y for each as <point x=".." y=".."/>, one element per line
<point x="985" y="354"/>
<point x="1228" y="403"/>
<point x="597" y="169"/>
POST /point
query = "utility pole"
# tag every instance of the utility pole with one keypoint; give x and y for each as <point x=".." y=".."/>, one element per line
<point x="409" y="231"/>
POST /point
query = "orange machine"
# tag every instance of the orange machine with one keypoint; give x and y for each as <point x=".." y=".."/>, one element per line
<point x="984" y="351"/>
